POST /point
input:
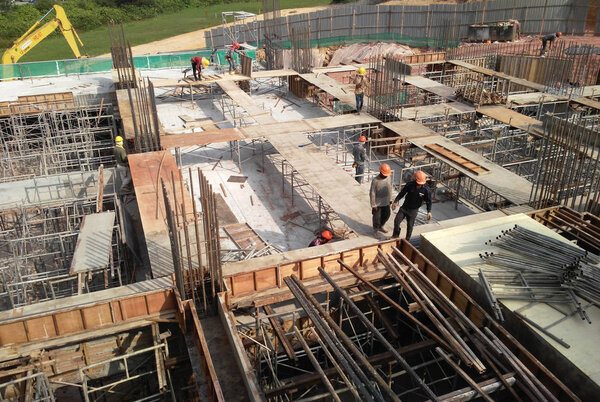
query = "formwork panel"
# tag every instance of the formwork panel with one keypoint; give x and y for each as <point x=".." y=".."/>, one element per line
<point x="133" y="307"/>
<point x="13" y="333"/>
<point x="69" y="322"/>
<point x="96" y="316"/>
<point x="40" y="328"/>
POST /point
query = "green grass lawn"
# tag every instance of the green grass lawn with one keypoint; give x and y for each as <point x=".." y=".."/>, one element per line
<point x="191" y="19"/>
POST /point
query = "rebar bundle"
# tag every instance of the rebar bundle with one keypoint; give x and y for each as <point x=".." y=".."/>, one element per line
<point x="439" y="319"/>
<point x="302" y="61"/>
<point x="386" y="91"/>
<point x="568" y="169"/>
<point x="194" y="236"/>
<point x="272" y="35"/>
<point x="542" y="269"/>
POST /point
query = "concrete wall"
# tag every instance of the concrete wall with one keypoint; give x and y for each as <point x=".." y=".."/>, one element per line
<point x="434" y="21"/>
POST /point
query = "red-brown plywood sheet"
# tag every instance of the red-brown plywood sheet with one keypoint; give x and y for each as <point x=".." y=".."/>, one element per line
<point x="144" y="172"/>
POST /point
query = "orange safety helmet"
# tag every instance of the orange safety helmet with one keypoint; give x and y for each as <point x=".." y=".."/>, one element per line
<point x="420" y="177"/>
<point x="236" y="45"/>
<point x="385" y="169"/>
<point x="362" y="138"/>
<point x="326" y="235"/>
<point x="558" y="34"/>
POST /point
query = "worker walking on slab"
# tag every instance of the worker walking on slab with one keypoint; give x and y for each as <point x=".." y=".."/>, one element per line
<point x="122" y="164"/>
<point x="360" y="156"/>
<point x="549" y="38"/>
<point x="416" y="191"/>
<point x="381" y="195"/>
<point x="229" y="57"/>
<point x="198" y="63"/>
<point x="323" y="238"/>
<point x="360" y="84"/>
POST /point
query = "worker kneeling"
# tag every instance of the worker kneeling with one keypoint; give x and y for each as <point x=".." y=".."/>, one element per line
<point x="416" y="191"/>
<point x="323" y="238"/>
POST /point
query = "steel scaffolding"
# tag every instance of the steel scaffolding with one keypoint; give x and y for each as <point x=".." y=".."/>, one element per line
<point x="53" y="141"/>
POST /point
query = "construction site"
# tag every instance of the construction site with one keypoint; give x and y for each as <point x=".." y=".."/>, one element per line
<point x="189" y="278"/>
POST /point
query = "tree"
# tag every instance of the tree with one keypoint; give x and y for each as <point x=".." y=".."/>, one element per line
<point x="6" y="5"/>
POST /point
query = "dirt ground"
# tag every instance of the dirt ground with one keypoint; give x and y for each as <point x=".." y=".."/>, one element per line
<point x="195" y="40"/>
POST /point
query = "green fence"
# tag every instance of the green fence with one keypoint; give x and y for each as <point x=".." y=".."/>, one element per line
<point x="173" y="60"/>
<point x="98" y="65"/>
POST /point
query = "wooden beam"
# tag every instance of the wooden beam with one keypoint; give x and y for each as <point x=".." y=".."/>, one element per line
<point x="280" y="333"/>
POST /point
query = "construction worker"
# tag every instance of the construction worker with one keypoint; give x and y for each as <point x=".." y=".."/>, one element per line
<point x="197" y="64"/>
<point x="549" y="38"/>
<point x="416" y="191"/>
<point x="122" y="163"/>
<point x="381" y="194"/>
<point x="229" y="57"/>
<point x="323" y="238"/>
<point x="360" y="83"/>
<point x="360" y="156"/>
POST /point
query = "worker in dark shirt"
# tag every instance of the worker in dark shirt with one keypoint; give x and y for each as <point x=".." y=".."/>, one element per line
<point x="549" y="38"/>
<point x="323" y="238"/>
<point x="416" y="192"/>
<point x="360" y="156"/>
<point x="229" y="57"/>
<point x="122" y="163"/>
<point x="197" y="64"/>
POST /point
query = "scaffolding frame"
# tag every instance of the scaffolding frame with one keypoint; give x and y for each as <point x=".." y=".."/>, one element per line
<point x="55" y="141"/>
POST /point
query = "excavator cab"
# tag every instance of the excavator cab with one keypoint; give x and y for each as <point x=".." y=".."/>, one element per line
<point x="34" y="36"/>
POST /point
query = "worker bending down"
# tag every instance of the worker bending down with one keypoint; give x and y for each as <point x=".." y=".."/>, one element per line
<point x="416" y="191"/>
<point x="198" y="63"/>
<point x="381" y="194"/>
<point x="360" y="84"/>
<point x="549" y="38"/>
<point x="360" y="156"/>
<point x="122" y="164"/>
<point x="323" y="238"/>
<point x="229" y="57"/>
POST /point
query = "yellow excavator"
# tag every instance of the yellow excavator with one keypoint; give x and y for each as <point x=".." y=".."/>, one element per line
<point x="34" y="36"/>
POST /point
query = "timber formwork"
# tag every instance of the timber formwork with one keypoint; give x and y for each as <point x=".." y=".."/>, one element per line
<point x="336" y="325"/>
<point x="123" y="343"/>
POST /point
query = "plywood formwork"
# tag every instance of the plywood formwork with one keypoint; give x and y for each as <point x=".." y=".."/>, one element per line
<point x="337" y="188"/>
<point x="512" y="118"/>
<point x="432" y="86"/>
<point x="148" y="170"/>
<point x="210" y="136"/>
<point x="313" y="284"/>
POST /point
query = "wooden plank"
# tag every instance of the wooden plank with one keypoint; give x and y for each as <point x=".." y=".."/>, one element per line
<point x="280" y="333"/>
<point x="507" y="184"/>
<point x="472" y="166"/>
<point x="343" y="92"/>
<point x="492" y="73"/>
<point x="512" y="118"/>
<point x="408" y="129"/>
<point x="178" y="83"/>
<point x="93" y="249"/>
<point x="432" y="86"/>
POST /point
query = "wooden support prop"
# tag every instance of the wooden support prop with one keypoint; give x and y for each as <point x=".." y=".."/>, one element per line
<point x="280" y="333"/>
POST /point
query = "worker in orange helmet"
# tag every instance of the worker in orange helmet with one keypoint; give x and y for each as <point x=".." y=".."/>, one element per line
<point x="323" y="238"/>
<point x="416" y="191"/>
<point x="360" y="156"/>
<point x="229" y="57"/>
<point x="380" y="195"/>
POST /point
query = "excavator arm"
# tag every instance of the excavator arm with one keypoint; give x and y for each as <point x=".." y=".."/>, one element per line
<point x="34" y="36"/>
